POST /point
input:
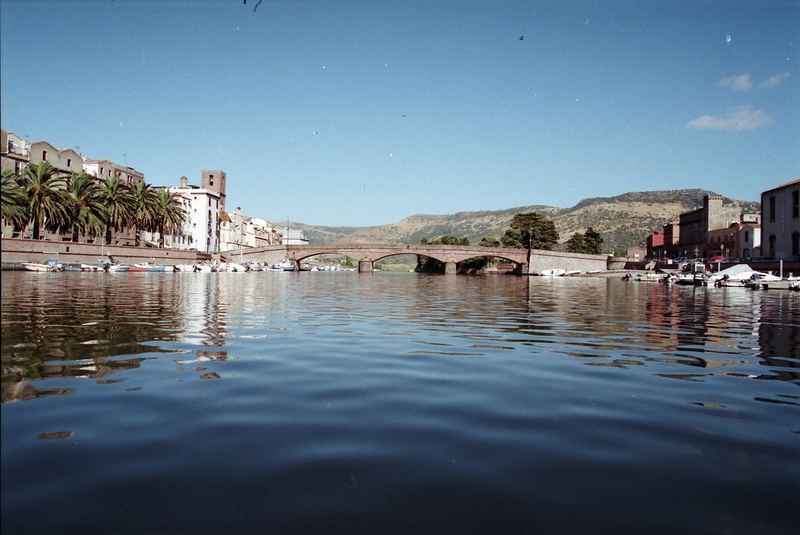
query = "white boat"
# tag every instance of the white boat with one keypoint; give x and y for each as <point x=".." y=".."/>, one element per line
<point x="558" y="272"/>
<point x="38" y="267"/>
<point x="650" y="277"/>
<point x="286" y="265"/>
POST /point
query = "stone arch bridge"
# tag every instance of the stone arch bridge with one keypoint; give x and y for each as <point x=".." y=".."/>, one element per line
<point x="449" y="255"/>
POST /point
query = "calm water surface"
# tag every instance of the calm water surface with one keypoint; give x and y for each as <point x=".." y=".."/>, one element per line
<point x="339" y="402"/>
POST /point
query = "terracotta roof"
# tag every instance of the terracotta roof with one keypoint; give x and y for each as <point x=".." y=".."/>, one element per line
<point x="223" y="216"/>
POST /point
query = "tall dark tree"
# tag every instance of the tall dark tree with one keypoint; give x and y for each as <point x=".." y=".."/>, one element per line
<point x="44" y="191"/>
<point x="169" y="213"/>
<point x="118" y="205"/>
<point x="593" y="241"/>
<point x="489" y="242"/>
<point x="13" y="199"/>
<point x="144" y="208"/>
<point x="531" y="230"/>
<point x="83" y="203"/>
<point x="577" y="243"/>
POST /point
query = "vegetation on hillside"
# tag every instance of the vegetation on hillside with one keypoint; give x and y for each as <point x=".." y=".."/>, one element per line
<point x="622" y="221"/>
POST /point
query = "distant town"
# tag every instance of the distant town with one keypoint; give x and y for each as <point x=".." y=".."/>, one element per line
<point x="715" y="231"/>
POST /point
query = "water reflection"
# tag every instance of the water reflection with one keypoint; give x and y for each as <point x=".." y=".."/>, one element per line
<point x="92" y="325"/>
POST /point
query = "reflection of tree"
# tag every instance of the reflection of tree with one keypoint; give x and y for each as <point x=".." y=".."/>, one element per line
<point x="73" y="326"/>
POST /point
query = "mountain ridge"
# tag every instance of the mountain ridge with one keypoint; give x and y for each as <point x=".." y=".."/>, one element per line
<point x="623" y="220"/>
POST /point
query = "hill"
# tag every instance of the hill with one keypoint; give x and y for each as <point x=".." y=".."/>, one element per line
<point x="623" y="221"/>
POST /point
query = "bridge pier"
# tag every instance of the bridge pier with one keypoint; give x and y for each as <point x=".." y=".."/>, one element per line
<point x="450" y="268"/>
<point x="365" y="266"/>
<point x="521" y="269"/>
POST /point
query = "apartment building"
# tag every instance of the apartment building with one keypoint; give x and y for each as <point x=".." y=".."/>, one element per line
<point x="780" y="222"/>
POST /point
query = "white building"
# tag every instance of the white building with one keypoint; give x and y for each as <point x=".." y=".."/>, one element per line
<point x="202" y="226"/>
<point x="240" y="230"/>
<point x="294" y="237"/>
<point x="749" y="241"/>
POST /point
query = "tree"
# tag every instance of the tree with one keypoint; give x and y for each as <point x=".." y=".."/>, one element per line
<point x="593" y="241"/>
<point x="168" y="212"/>
<point x="145" y="208"/>
<point x="118" y="205"/>
<point x="429" y="265"/>
<point x="577" y="243"/>
<point x="489" y="242"/>
<point x="532" y="230"/>
<point x="13" y="200"/>
<point x="44" y="189"/>
<point x="83" y="204"/>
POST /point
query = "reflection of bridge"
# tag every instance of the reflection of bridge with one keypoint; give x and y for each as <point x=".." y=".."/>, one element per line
<point x="449" y="255"/>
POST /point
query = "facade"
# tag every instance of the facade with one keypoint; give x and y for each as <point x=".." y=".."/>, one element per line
<point x="723" y="241"/>
<point x="655" y="245"/>
<point x="239" y="230"/>
<point x="672" y="234"/>
<point x="294" y="237"/>
<point x="696" y="225"/>
<point x="214" y="180"/>
<point x="749" y="241"/>
<point x="780" y="222"/>
<point x="202" y="227"/>
<point x="14" y="153"/>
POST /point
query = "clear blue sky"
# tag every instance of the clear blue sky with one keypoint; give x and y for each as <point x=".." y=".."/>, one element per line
<point x="365" y="112"/>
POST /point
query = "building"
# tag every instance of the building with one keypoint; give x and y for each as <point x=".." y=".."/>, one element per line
<point x="214" y="180"/>
<point x="240" y="230"/>
<point x="696" y="225"/>
<point x="748" y="244"/>
<point x="780" y="222"/>
<point x="672" y="234"/>
<point x="201" y="230"/>
<point x="655" y="245"/>
<point x="14" y="153"/>
<point x="294" y="237"/>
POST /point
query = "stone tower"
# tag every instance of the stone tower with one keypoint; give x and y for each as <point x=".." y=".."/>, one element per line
<point x="214" y="180"/>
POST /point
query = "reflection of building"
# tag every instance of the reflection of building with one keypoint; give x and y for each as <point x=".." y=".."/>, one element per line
<point x="780" y="221"/>
<point x="779" y="339"/>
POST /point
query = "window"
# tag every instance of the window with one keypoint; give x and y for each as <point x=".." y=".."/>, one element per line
<point x="210" y="182"/>
<point x="795" y="244"/>
<point x="772" y="208"/>
<point x="772" y="246"/>
<point x="44" y="155"/>
<point x="69" y="162"/>
<point x="746" y="236"/>
<point x="796" y="204"/>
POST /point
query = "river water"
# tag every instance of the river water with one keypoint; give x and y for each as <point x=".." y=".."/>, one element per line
<point x="345" y="402"/>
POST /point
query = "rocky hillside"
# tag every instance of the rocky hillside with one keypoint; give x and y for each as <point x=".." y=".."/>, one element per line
<point x="623" y="221"/>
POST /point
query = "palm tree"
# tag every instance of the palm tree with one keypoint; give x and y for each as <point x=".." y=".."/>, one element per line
<point x="13" y="200"/>
<point x="83" y="199"/>
<point x="118" y="203"/>
<point x="44" y="187"/>
<point x="144" y="216"/>
<point x="169" y="214"/>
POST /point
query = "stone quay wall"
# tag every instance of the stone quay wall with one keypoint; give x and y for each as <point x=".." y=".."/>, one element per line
<point x="542" y="260"/>
<point x="16" y="250"/>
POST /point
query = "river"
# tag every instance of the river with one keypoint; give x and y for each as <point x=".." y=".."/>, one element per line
<point x="345" y="402"/>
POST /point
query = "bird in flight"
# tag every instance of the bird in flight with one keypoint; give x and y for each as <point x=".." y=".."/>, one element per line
<point x="521" y="37"/>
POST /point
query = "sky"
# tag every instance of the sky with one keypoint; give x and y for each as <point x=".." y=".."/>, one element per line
<point x="357" y="113"/>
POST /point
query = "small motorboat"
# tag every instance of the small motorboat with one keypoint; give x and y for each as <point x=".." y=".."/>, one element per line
<point x="558" y="272"/>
